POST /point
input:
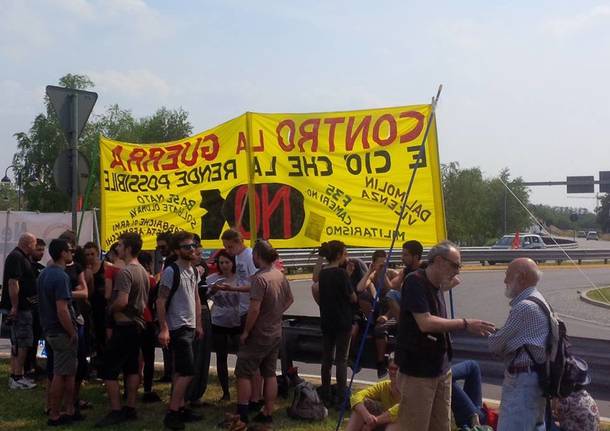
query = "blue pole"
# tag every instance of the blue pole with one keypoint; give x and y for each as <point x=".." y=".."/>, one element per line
<point x="379" y="283"/>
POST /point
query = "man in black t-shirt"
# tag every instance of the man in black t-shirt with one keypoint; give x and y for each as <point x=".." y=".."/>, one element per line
<point x="19" y="291"/>
<point x="31" y="367"/>
<point x="424" y="345"/>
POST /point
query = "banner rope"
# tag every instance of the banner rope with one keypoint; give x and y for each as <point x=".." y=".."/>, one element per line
<point x="356" y="366"/>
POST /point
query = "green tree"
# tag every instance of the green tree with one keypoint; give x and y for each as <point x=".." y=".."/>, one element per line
<point x="475" y="206"/>
<point x="39" y="147"/>
<point x="603" y="213"/>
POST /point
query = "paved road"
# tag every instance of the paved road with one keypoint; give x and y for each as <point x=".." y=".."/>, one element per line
<point x="481" y="295"/>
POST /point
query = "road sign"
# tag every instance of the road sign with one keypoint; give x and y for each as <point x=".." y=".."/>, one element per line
<point x="63" y="99"/>
<point x="604" y="181"/>
<point x="580" y="184"/>
<point x="62" y="170"/>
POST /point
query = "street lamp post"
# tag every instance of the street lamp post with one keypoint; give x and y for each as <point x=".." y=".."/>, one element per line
<point x="7" y="180"/>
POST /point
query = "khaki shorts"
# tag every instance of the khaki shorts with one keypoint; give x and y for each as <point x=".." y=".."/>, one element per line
<point x="257" y="355"/>
<point x="64" y="354"/>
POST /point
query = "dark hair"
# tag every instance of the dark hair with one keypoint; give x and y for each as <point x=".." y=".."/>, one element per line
<point x="112" y="249"/>
<point x="40" y="242"/>
<point x="79" y="256"/>
<point x="145" y="260"/>
<point x="133" y="240"/>
<point x="378" y="254"/>
<point x="58" y="246"/>
<point x="265" y="251"/>
<point x="196" y="238"/>
<point x="68" y="235"/>
<point x="178" y="237"/>
<point x="165" y="236"/>
<point x="225" y="254"/>
<point x="92" y="245"/>
<point x="414" y="248"/>
<point x="331" y="250"/>
<point x="231" y="235"/>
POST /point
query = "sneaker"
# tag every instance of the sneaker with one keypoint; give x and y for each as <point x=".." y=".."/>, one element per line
<point x="173" y="420"/>
<point x="188" y="415"/>
<point x="115" y="417"/>
<point x="22" y="383"/>
<point x="263" y="418"/>
<point x="61" y="421"/>
<point x="129" y="413"/>
<point x="150" y="397"/>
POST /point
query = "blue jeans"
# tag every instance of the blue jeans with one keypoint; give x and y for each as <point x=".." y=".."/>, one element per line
<point x="467" y="400"/>
<point x="522" y="405"/>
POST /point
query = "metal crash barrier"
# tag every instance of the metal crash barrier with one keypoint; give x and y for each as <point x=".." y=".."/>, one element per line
<point x="302" y="342"/>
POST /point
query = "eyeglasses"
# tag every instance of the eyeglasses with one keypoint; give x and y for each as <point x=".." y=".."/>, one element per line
<point x="455" y="265"/>
<point x="188" y="246"/>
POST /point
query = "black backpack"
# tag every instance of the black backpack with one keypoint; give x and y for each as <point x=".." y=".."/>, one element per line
<point x="175" y="283"/>
<point x="562" y="373"/>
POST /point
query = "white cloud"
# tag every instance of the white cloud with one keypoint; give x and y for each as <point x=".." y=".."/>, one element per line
<point x="565" y="26"/>
<point x="131" y="83"/>
<point x="81" y="8"/>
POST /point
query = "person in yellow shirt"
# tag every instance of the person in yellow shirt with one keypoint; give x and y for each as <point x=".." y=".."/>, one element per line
<point x="376" y="407"/>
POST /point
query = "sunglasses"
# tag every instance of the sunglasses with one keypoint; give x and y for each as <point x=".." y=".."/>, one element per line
<point x="188" y="246"/>
<point x="455" y="265"/>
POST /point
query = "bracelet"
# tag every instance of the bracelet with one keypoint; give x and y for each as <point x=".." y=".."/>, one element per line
<point x="465" y="323"/>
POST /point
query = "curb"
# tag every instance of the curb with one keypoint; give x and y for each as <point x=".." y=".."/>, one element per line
<point x="585" y="298"/>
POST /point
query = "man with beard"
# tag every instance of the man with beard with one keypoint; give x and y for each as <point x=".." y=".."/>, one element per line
<point x="424" y="345"/>
<point x="519" y="343"/>
<point x="179" y="312"/>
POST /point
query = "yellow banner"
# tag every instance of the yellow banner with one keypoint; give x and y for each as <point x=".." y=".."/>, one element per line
<point x="313" y="178"/>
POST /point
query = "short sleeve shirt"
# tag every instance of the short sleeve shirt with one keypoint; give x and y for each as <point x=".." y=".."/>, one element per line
<point x="132" y="280"/>
<point x="244" y="269"/>
<point x="181" y="311"/>
<point x="53" y="285"/>
<point x="335" y="303"/>
<point x="18" y="266"/>
<point x="273" y="290"/>
<point x="416" y="293"/>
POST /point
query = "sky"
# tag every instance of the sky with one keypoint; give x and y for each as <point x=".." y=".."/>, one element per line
<point x="525" y="84"/>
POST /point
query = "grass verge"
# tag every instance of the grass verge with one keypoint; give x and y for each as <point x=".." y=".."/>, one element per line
<point x="602" y="295"/>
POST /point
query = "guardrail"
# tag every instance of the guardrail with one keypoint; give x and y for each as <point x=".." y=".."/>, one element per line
<point x="302" y="341"/>
<point x="304" y="258"/>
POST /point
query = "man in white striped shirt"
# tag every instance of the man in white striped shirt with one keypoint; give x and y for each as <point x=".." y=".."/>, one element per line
<point x="526" y="329"/>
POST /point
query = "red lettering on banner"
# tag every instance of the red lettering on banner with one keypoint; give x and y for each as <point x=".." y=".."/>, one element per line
<point x="207" y="152"/>
<point x="261" y="141"/>
<point x="116" y="158"/>
<point x="240" y="196"/>
<point x="268" y="208"/>
<point x="136" y="156"/>
<point x="280" y="139"/>
<point x="331" y="131"/>
<point x="363" y="128"/>
<point x="309" y="135"/>
<point x="377" y="129"/>
<point x="173" y="151"/>
<point x="413" y="133"/>
<point x="242" y="144"/>
<point x="193" y="159"/>
<point x="154" y="155"/>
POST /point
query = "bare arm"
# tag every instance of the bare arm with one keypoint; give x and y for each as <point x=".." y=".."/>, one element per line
<point x="119" y="303"/>
<point x="89" y="281"/>
<point x="63" y="315"/>
<point x="199" y="327"/>
<point x="163" y="329"/>
<point x="315" y="292"/>
<point x="434" y="324"/>
<point x="253" y="312"/>
<point x="81" y="290"/>
<point x="13" y="291"/>
<point x="317" y="268"/>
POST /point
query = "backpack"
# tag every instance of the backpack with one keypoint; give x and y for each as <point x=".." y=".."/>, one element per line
<point x="561" y="374"/>
<point x="306" y="404"/>
<point x="176" y="282"/>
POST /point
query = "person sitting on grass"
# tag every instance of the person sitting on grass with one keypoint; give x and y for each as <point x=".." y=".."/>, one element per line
<point x="376" y="407"/>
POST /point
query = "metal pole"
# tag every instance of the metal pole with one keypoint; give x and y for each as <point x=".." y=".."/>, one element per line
<point x="19" y="190"/>
<point x="74" y="160"/>
<point x="251" y="185"/>
<point x="505" y="211"/>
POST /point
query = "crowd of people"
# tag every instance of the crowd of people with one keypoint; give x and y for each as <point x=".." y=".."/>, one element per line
<point x="107" y="316"/>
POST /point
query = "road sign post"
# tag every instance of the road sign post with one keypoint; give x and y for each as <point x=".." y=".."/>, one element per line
<point x="73" y="108"/>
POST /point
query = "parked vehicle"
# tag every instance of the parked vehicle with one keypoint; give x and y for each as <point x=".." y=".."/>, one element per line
<point x="592" y="235"/>
<point x="527" y="241"/>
